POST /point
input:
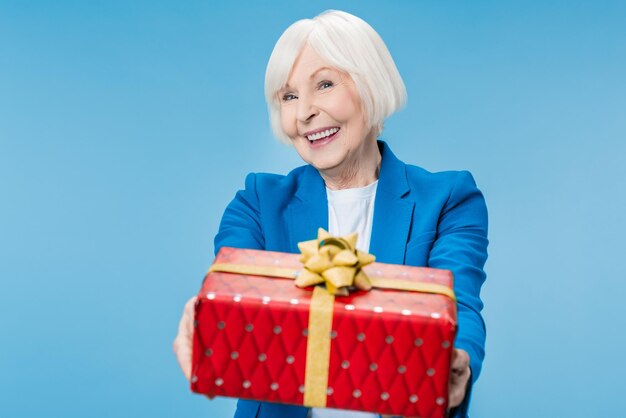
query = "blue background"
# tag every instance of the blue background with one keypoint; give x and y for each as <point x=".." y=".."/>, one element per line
<point x="126" y="127"/>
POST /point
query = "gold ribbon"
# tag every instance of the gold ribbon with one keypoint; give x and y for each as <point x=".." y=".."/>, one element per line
<point x="318" y="348"/>
<point x="336" y="262"/>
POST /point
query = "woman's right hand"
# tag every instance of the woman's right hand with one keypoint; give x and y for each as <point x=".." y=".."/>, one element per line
<point x="183" y="342"/>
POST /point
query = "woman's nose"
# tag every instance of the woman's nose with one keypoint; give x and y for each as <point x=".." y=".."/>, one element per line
<point x="306" y="109"/>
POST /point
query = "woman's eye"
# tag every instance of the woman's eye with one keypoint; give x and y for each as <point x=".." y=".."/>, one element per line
<point x="289" y="96"/>
<point x="325" y="84"/>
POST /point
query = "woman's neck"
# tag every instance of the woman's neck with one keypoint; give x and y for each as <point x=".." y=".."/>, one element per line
<point x="359" y="171"/>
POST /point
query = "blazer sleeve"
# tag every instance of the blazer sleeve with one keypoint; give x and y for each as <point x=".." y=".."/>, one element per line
<point x="461" y="246"/>
<point x="241" y="223"/>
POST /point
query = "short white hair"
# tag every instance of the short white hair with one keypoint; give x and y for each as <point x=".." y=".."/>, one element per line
<point x="349" y="44"/>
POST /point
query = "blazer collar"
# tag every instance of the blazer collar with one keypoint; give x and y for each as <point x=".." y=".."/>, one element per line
<point x="311" y="185"/>
<point x="392" y="179"/>
<point x="309" y="211"/>
<point x="392" y="214"/>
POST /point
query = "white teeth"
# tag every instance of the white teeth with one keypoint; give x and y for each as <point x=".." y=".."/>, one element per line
<point x="322" y="134"/>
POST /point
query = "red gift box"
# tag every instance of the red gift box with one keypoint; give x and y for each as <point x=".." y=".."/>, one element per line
<point x="390" y="350"/>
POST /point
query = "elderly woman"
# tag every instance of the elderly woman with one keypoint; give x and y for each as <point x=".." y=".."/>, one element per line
<point x="330" y="84"/>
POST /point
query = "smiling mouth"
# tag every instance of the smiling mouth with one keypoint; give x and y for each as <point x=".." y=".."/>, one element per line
<point x="321" y="136"/>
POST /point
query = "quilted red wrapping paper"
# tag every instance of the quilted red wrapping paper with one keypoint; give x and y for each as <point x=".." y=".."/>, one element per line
<point x="390" y="350"/>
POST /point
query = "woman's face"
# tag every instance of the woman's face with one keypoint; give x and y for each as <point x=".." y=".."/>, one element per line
<point x="321" y="112"/>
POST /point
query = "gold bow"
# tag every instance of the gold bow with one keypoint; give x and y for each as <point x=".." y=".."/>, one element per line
<point x="334" y="261"/>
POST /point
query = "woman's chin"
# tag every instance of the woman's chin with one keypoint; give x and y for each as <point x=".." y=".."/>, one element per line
<point x="322" y="159"/>
<point x="324" y="164"/>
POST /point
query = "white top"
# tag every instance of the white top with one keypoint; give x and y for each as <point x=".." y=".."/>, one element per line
<point x="350" y="210"/>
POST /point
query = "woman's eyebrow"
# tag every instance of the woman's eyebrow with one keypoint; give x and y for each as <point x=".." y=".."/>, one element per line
<point x="313" y="74"/>
<point x="320" y="69"/>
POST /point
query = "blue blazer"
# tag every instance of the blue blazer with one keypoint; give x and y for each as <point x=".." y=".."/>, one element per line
<point x="420" y="219"/>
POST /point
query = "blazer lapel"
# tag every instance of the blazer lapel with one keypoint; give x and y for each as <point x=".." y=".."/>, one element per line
<point x="309" y="210"/>
<point x="392" y="213"/>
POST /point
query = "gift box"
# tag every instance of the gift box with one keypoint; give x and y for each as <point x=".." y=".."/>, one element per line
<point x="386" y="350"/>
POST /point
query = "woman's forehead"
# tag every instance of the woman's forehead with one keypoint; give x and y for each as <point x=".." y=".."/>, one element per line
<point x="308" y="64"/>
<point x="309" y="57"/>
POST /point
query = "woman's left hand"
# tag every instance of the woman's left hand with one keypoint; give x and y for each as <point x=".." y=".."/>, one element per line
<point x="459" y="377"/>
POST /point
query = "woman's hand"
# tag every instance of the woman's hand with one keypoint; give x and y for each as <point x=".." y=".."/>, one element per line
<point x="459" y="376"/>
<point x="183" y="342"/>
